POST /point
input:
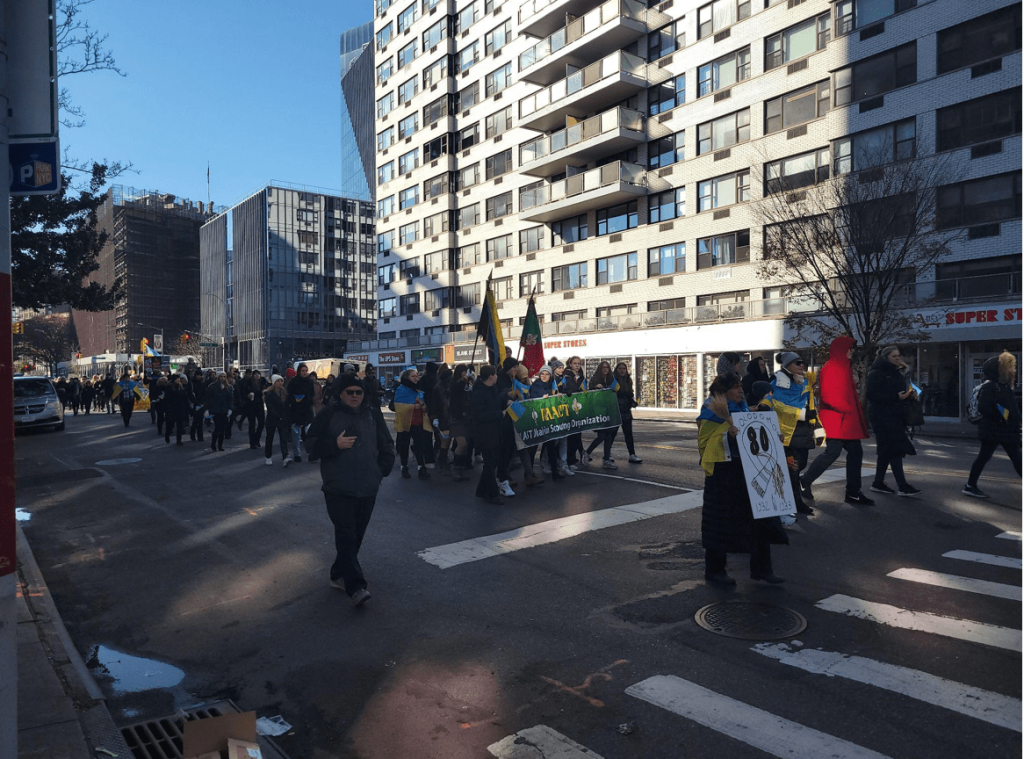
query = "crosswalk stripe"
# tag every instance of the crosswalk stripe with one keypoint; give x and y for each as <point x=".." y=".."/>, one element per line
<point x="969" y="584"/>
<point x="554" y="530"/>
<point x="894" y="616"/>
<point x="984" y="558"/>
<point x="1009" y="535"/>
<point x="755" y="727"/>
<point x="539" y="742"/>
<point x="974" y="702"/>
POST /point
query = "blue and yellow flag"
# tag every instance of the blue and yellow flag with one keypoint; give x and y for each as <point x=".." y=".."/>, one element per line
<point x="489" y="329"/>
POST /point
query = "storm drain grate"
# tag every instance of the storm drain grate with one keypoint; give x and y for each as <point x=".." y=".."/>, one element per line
<point x="750" y="621"/>
<point x="161" y="738"/>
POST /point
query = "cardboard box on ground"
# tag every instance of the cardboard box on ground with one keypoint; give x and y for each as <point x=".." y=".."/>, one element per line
<point x="229" y="736"/>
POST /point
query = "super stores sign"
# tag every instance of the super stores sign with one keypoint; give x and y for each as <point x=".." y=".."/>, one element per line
<point x="969" y="317"/>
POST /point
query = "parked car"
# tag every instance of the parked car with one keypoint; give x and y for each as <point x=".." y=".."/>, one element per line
<point x="36" y="404"/>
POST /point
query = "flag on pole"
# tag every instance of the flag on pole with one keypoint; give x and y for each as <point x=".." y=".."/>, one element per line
<point x="531" y="343"/>
<point x="489" y="329"/>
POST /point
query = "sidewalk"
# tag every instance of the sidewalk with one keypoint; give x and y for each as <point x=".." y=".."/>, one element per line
<point x="61" y="711"/>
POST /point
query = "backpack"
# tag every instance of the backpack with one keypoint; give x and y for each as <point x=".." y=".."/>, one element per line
<point x="973" y="414"/>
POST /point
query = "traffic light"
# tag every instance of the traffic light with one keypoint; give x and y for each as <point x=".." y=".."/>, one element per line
<point x="19" y="328"/>
<point x="185" y="337"/>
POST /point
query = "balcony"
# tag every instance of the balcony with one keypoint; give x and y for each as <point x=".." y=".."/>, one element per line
<point x="588" y="90"/>
<point x="604" y="30"/>
<point x="604" y="186"/>
<point x="966" y="289"/>
<point x="677" y="317"/>
<point x="582" y="143"/>
<point x="539" y="18"/>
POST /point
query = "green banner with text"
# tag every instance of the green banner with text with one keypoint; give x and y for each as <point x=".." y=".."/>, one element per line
<point x="545" y="419"/>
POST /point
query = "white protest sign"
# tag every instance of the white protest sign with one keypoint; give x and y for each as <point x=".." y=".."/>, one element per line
<point x="764" y="464"/>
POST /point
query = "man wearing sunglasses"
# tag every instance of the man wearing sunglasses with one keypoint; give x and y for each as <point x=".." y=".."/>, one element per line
<point x="356" y="452"/>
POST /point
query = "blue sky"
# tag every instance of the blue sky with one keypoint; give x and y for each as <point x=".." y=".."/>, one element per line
<point x="252" y="87"/>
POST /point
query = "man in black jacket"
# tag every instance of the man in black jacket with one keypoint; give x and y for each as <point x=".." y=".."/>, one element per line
<point x="1000" y="422"/>
<point x="356" y="452"/>
<point x="487" y="408"/>
<point x="299" y="399"/>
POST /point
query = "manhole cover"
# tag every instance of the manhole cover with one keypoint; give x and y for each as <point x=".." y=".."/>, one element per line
<point x="115" y="462"/>
<point x="750" y="621"/>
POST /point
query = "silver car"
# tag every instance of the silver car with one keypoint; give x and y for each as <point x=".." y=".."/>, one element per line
<point x="36" y="404"/>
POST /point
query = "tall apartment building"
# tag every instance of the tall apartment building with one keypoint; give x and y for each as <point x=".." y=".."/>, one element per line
<point x="357" y="151"/>
<point x="608" y="156"/>
<point x="153" y="250"/>
<point x="288" y="272"/>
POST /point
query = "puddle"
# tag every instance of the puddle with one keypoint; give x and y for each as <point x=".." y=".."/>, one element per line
<point x="21" y="515"/>
<point x="115" y="462"/>
<point x="133" y="674"/>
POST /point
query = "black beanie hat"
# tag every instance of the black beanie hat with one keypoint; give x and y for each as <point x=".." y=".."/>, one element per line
<point x="347" y="380"/>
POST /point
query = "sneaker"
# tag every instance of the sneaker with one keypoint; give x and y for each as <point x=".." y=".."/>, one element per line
<point x="573" y="468"/>
<point x="505" y="488"/>
<point x="405" y="473"/>
<point x="545" y="469"/>
<point x="287" y="460"/>
<point x="805" y="491"/>
<point x="423" y="473"/>
<point x="881" y="487"/>
<point x="858" y="499"/>
<point x="634" y="459"/>
<point x="719" y="578"/>
<point x="360" y="597"/>
<point x="567" y="472"/>
<point x="908" y="491"/>
<point x="788" y="520"/>
<point x="609" y="464"/>
<point x="975" y="491"/>
<point x="339" y="584"/>
<point x="270" y="462"/>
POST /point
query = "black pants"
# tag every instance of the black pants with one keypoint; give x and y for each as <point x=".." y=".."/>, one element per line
<point x="487" y="487"/>
<point x="420" y="441"/>
<point x="178" y="424"/>
<point x="278" y="426"/>
<point x="760" y="559"/>
<point x="126" y="411"/>
<point x="159" y="421"/>
<point x="220" y="423"/>
<point x="196" y="430"/>
<point x="257" y="420"/>
<point x="608" y="438"/>
<point x="799" y="455"/>
<point x="627" y="433"/>
<point x="350" y="516"/>
<point x="988" y="447"/>
<point x="892" y="461"/>
<point x="574" y="448"/>
<point x="854" y="459"/>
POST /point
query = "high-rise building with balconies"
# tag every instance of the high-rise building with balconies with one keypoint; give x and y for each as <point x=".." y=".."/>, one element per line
<point x="608" y="157"/>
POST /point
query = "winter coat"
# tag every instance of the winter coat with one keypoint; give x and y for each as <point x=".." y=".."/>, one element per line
<point x="406" y="395"/>
<point x="357" y="471"/>
<point x="256" y="387"/>
<point x="488" y="410"/>
<point x="572" y="384"/>
<point x="840" y="411"/>
<point x="997" y="425"/>
<point x="885" y="382"/>
<point x="175" y="404"/>
<point x="754" y="374"/>
<point x="541" y="389"/>
<point x="790" y="391"/>
<point x="156" y="392"/>
<point x="277" y="410"/>
<point x="218" y="398"/>
<point x="458" y="402"/>
<point x="625" y="396"/>
<point x="300" y="397"/>
<point x="438" y="404"/>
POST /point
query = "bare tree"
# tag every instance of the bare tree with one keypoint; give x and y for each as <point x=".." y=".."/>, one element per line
<point x="48" y="340"/>
<point x="847" y="249"/>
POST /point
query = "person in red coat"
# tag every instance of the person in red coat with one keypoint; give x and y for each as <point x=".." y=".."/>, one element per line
<point x="843" y="418"/>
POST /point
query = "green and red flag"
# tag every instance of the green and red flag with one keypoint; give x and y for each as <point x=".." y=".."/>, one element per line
<point x="530" y="343"/>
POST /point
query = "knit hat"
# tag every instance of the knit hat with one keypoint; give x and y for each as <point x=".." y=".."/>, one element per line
<point x="346" y="380"/>
<point x="275" y="377"/>
<point x="786" y="358"/>
<point x="509" y="363"/>
<point x="547" y="369"/>
<point x="759" y="390"/>
<point x="555" y="364"/>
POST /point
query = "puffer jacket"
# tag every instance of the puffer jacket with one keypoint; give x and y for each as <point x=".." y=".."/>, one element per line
<point x="1000" y="415"/>
<point x="300" y="397"/>
<point x="841" y="413"/>
<point x="885" y="382"/>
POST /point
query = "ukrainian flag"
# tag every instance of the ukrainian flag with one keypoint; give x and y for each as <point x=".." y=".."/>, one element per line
<point x="489" y="329"/>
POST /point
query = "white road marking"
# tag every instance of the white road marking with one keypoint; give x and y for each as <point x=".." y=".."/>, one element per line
<point x="1009" y="535"/>
<point x="984" y="558"/>
<point x="540" y="742"/>
<point x="755" y="727"/>
<point x="554" y="530"/>
<point x="894" y="616"/>
<point x="633" y="479"/>
<point x="969" y="584"/>
<point x="965" y="699"/>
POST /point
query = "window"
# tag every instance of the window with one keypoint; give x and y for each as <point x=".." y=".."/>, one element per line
<point x="796" y="42"/>
<point x="436" y="224"/>
<point x="436" y="299"/>
<point x="468" y="177"/>
<point x="797" y="107"/>
<point x="410" y="268"/>
<point x="436" y="262"/>
<point x="386" y="139"/>
<point x="468" y="137"/>
<point x="379" y="6"/>
<point x="468" y="255"/>
<point x="723" y="250"/>
<point x="979" y="120"/>
<point x="569" y="316"/>
<point x="606" y="312"/>
<point x="466" y="18"/>
<point x="715" y="16"/>
<point x="409" y="233"/>
<point x="725" y="72"/>
<point x="385" y="241"/>
<point x="435" y="72"/>
<point x="666" y="259"/>
<point x="877" y="75"/>
<point x="468" y="295"/>
<point x="499" y="206"/>
<point x="666" y="151"/>
<point x="570" y="277"/>
<point x="498" y="123"/>
<point x="502" y="288"/>
<point x="409" y="304"/>
<point x="408" y="90"/>
<point x="616" y="269"/>
<point x="979" y="201"/>
<point x="875" y="147"/>
<point x="385" y="105"/>
<point x="408" y="17"/>
<point x="499" y="164"/>
<point x="435" y="33"/>
<point x="385" y="70"/>
<point x="804" y="170"/>
<point x="469" y="216"/>
<point x="385" y="172"/>
<point x="531" y="282"/>
<point x="723" y="191"/>
<point x="569" y="230"/>
<point x="436" y="187"/>
<point x="408" y="161"/>
<point x="384" y="35"/>
<point x="666" y="205"/>
<point x="386" y="274"/>
<point x="498" y="80"/>
<point x="980" y="39"/>
<point x="437" y="147"/>
<point x="408" y="126"/>
<point x="387" y="307"/>
<point x="436" y="110"/>
<point x="667" y="95"/>
<point x="429" y="5"/>
<point x="724" y="299"/>
<point x="467" y="97"/>
<point x="854" y="14"/>
<point x="532" y="240"/>
<point x="669" y="304"/>
<point x="385" y="206"/>
<point x="496" y="39"/>
<point x="666" y="40"/>
<point x="407" y="54"/>
<point x="499" y="247"/>
<point x="466" y="58"/>
<point x="723" y="132"/>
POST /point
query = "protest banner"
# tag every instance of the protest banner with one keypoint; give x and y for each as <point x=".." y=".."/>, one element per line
<point x="545" y="419"/>
<point x="764" y="464"/>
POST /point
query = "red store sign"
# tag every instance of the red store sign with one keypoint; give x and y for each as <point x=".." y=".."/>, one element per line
<point x="985" y="316"/>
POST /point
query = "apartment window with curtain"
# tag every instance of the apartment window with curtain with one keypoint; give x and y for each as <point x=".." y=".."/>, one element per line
<point x="794" y="172"/>
<point x="714" y="17"/>
<point x="797" y="41"/>
<point x="499" y="248"/>
<point x="621" y="268"/>
<point x="569" y="230"/>
<point x="723" y="132"/>
<point x="797" y="107"/>
<point x="497" y="38"/>
<point x="531" y="282"/>
<point x="723" y="250"/>
<point x="724" y="72"/>
<point x="499" y="206"/>
<point x="569" y="277"/>
<point x="723" y="191"/>
<point x="666" y="259"/>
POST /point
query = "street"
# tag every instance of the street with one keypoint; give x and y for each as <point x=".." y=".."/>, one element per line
<point x="217" y="565"/>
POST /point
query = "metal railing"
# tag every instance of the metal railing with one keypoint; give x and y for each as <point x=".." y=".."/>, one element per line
<point x="619" y="171"/>
<point x="751" y="309"/>
<point x="586" y="77"/>
<point x="966" y="288"/>
<point x="579" y="27"/>
<point x="602" y="123"/>
<point x="532" y="7"/>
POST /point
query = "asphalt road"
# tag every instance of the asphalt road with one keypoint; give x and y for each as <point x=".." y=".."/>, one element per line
<point x="217" y="565"/>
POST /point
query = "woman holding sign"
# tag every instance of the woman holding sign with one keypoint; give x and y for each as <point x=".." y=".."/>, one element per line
<point x="727" y="520"/>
